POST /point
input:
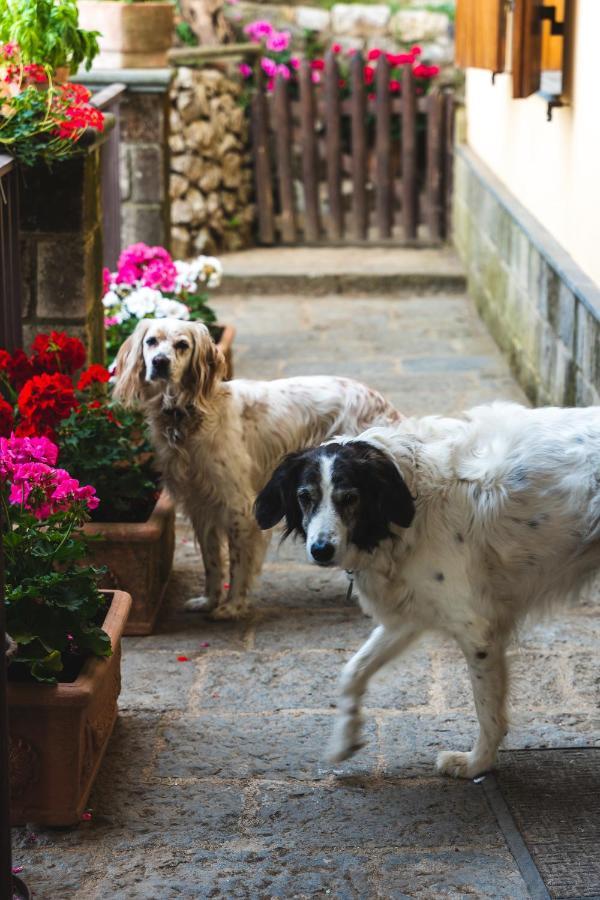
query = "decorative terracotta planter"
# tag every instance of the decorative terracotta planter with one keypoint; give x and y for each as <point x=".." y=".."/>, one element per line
<point x="139" y="556"/>
<point x="58" y="733"/>
<point x="224" y="335"/>
<point x="132" y="35"/>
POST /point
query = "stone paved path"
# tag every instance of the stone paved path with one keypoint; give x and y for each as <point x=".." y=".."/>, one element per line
<point x="214" y="784"/>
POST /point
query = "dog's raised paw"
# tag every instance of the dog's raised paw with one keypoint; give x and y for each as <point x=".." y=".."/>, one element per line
<point x="460" y="765"/>
<point x="200" y="604"/>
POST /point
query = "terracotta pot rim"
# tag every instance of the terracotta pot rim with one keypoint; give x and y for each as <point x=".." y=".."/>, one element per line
<point x="78" y="692"/>
<point x="135" y="532"/>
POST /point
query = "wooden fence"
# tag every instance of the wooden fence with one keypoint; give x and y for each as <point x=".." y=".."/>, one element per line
<point x="11" y="330"/>
<point x="360" y="169"/>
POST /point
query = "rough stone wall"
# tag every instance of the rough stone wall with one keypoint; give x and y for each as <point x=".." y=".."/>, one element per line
<point x="61" y="250"/>
<point x="144" y="167"/>
<point x="543" y="311"/>
<point x="363" y="25"/>
<point x="210" y="178"/>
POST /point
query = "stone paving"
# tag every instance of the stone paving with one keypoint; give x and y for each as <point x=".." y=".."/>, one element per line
<point x="214" y="784"/>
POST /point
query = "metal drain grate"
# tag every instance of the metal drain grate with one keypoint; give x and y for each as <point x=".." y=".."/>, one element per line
<point x="554" y="798"/>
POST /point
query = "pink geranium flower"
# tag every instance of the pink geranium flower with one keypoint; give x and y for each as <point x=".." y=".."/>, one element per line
<point x="268" y="66"/>
<point x="258" y="30"/>
<point x="245" y="70"/>
<point x="279" y="41"/>
<point x="283" y="70"/>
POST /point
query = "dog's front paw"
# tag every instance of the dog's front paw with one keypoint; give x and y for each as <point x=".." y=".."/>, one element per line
<point x="345" y="740"/>
<point x="200" y="604"/>
<point x="226" y="611"/>
<point x="461" y="765"/>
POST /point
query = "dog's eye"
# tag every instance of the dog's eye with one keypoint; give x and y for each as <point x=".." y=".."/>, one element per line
<point x="304" y="496"/>
<point x="151" y="342"/>
<point x="348" y="498"/>
<point x="181" y="345"/>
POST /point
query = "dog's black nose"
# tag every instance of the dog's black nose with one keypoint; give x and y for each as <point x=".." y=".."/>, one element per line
<point x="160" y="365"/>
<point x="322" y="551"/>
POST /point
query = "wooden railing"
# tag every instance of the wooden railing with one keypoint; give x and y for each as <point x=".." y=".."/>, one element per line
<point x="11" y="330"/>
<point x="109" y="100"/>
<point x="367" y="167"/>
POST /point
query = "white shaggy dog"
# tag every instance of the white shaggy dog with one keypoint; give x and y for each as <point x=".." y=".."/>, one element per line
<point x="217" y="442"/>
<point x="462" y="525"/>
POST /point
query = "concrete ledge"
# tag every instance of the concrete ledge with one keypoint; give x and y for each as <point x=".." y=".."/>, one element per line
<point x="542" y="309"/>
<point x="352" y="270"/>
<point x="140" y="81"/>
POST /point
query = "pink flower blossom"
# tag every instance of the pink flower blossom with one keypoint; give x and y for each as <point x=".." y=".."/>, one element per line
<point x="110" y="320"/>
<point x="337" y="48"/>
<point x="15" y="451"/>
<point x="316" y="77"/>
<point x="283" y="70"/>
<point x="258" y="30"/>
<point x="245" y="70"/>
<point x="270" y="85"/>
<point x="268" y="66"/>
<point x="151" y="266"/>
<point x="44" y="490"/>
<point x="294" y="62"/>
<point x="106" y="279"/>
<point x="279" y="41"/>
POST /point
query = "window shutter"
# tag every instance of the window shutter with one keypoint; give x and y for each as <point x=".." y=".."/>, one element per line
<point x="553" y="45"/>
<point x="526" y="48"/>
<point x="480" y="34"/>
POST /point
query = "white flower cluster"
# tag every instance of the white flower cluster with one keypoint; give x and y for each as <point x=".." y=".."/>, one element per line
<point x="139" y="303"/>
<point x="204" y="270"/>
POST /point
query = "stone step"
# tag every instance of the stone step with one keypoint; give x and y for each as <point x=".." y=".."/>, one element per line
<point x="315" y="271"/>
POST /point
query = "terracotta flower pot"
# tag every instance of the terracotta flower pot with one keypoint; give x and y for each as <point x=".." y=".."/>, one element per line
<point x="132" y="35"/>
<point x="139" y="556"/>
<point x="58" y="733"/>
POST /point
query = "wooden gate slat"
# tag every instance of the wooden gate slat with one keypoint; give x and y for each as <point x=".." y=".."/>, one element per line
<point x="435" y="143"/>
<point x="312" y="226"/>
<point x="360" y="208"/>
<point x="383" y="187"/>
<point x="410" y="186"/>
<point x="449" y="110"/>
<point x="333" y="147"/>
<point x="283" y="138"/>
<point x="262" y="162"/>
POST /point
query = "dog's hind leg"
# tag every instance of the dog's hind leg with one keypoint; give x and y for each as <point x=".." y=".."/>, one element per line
<point x="382" y="646"/>
<point x="213" y="556"/>
<point x="489" y="677"/>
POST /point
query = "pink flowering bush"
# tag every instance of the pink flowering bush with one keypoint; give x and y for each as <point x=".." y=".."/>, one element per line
<point x="148" y="283"/>
<point x="53" y="605"/>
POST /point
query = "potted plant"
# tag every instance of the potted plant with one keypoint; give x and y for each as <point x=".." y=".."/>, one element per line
<point x="132" y="34"/>
<point x="47" y="394"/>
<point x="41" y="119"/>
<point x="149" y="284"/>
<point x="48" y="32"/>
<point x="64" y="672"/>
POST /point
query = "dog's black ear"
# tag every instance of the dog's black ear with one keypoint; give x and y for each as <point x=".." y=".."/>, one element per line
<point x="278" y="497"/>
<point x="388" y="489"/>
<point x="398" y="501"/>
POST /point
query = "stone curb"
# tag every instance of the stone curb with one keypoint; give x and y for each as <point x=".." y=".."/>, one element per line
<point x="321" y="284"/>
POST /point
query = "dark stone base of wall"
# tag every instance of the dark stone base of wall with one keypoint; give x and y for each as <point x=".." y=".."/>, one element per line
<point x="541" y="308"/>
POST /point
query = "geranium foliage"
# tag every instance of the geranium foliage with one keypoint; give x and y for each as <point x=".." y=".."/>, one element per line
<point x="54" y="609"/>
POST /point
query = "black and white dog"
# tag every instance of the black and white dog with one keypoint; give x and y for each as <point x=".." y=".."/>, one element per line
<point x="460" y="525"/>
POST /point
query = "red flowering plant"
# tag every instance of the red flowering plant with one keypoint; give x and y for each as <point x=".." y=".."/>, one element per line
<point x="39" y="118"/>
<point x="49" y="394"/>
<point x="280" y="59"/>
<point x="54" y="609"/>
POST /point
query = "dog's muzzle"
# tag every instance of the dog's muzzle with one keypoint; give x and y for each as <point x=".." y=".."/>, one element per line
<point x="322" y="552"/>
<point x="161" y="367"/>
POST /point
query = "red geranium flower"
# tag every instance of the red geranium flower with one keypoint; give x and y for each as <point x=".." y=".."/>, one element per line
<point x="368" y="74"/>
<point x="57" y="352"/>
<point x="20" y="369"/>
<point x="6" y="418"/>
<point x="318" y="64"/>
<point x="394" y="86"/>
<point x="94" y="374"/>
<point x="337" y="48"/>
<point x="44" y="401"/>
<point x="374" y="54"/>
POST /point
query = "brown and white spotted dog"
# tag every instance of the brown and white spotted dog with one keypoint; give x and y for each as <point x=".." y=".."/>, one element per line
<point x="463" y="526"/>
<point x="217" y="442"/>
